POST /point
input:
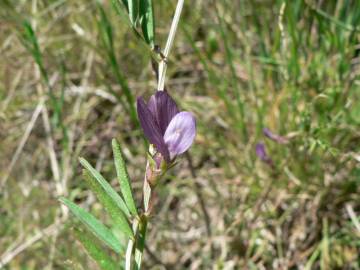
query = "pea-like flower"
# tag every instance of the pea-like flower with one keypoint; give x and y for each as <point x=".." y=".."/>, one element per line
<point x="170" y="131"/>
<point x="277" y="138"/>
<point x="261" y="153"/>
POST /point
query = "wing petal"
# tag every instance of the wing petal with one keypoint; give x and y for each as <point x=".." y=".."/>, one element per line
<point x="180" y="133"/>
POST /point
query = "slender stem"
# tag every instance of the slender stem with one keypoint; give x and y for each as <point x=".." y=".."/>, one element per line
<point x="140" y="242"/>
<point x="128" y="255"/>
<point x="147" y="190"/>
<point x="170" y="41"/>
<point x="199" y="194"/>
<point x="141" y="226"/>
<point x="130" y="247"/>
<point x="173" y="28"/>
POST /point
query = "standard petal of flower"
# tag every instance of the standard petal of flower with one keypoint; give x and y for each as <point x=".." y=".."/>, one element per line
<point x="164" y="108"/>
<point x="180" y="133"/>
<point x="152" y="106"/>
<point x="151" y="128"/>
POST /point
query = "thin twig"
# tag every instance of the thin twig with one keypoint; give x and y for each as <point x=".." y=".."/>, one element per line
<point x="199" y="194"/>
<point x="8" y="256"/>
<point x="23" y="141"/>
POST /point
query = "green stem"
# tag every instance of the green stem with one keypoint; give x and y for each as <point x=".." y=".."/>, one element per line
<point x="139" y="229"/>
<point x="140" y="242"/>
<point x="141" y="235"/>
<point x="130" y="247"/>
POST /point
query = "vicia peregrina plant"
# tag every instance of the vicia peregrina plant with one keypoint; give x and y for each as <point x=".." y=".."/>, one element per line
<point x="170" y="133"/>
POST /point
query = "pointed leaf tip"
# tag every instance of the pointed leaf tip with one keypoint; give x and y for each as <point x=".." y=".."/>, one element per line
<point x="106" y="186"/>
<point x="119" y="218"/>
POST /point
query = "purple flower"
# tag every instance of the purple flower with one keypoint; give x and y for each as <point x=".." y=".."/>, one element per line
<point x="277" y="138"/>
<point x="170" y="131"/>
<point x="261" y="153"/>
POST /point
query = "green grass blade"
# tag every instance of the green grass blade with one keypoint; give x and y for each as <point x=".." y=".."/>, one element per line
<point x="234" y="80"/>
<point x="123" y="177"/>
<point x="31" y="43"/>
<point x="107" y="36"/>
<point x="140" y="244"/>
<point x="123" y="14"/>
<point x="94" y="225"/>
<point x="119" y="218"/>
<point x="119" y="202"/>
<point x="125" y="19"/>
<point x="133" y="11"/>
<point x="147" y="21"/>
<point x="95" y="251"/>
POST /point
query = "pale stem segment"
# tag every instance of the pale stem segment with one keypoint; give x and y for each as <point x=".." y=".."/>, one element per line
<point x="130" y="247"/>
<point x="170" y="41"/>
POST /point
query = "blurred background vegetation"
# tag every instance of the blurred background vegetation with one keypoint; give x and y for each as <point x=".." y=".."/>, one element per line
<point x="69" y="72"/>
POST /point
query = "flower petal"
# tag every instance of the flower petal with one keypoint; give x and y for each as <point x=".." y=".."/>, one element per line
<point x="277" y="138"/>
<point x="151" y="128"/>
<point x="164" y="108"/>
<point x="152" y="105"/>
<point x="260" y="150"/>
<point x="180" y="133"/>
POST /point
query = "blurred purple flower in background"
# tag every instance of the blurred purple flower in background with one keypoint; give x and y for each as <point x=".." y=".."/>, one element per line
<point x="261" y="153"/>
<point x="170" y="131"/>
<point x="277" y="138"/>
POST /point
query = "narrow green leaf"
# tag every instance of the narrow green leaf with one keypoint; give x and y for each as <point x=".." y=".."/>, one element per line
<point x="31" y="43"/>
<point x="119" y="218"/>
<point x="125" y="19"/>
<point x="147" y="21"/>
<point x="95" y="250"/>
<point x="123" y="14"/>
<point x="94" y="225"/>
<point x="107" y="37"/>
<point x="106" y="187"/>
<point x="133" y="11"/>
<point x="123" y="177"/>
